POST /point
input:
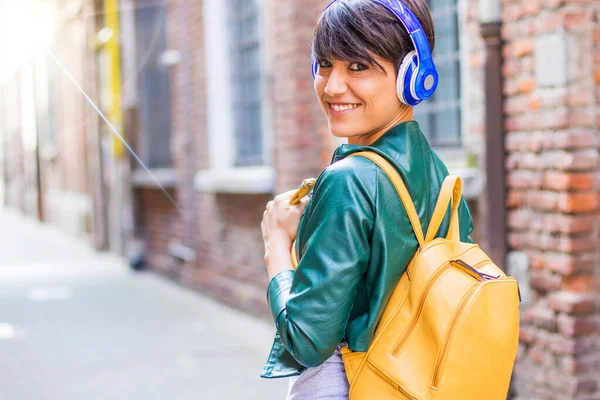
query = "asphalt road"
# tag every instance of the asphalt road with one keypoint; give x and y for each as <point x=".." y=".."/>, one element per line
<point x="78" y="325"/>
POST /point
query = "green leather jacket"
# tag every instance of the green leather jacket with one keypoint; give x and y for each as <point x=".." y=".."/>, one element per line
<point x="354" y="241"/>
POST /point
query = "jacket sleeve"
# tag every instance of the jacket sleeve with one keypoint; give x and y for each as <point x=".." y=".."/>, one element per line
<point x="465" y="222"/>
<point x="311" y="306"/>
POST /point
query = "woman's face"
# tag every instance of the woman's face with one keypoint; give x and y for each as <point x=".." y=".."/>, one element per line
<point x="359" y="100"/>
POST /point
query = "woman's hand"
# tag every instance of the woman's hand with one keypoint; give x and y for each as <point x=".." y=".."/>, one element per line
<point x="279" y="227"/>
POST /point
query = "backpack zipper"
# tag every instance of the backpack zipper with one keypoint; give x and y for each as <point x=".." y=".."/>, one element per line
<point x="482" y="278"/>
<point x="472" y="271"/>
<point x="407" y="333"/>
<point x="438" y="365"/>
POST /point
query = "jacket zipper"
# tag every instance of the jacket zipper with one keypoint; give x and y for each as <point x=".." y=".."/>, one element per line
<point x="407" y="333"/>
<point x="457" y="314"/>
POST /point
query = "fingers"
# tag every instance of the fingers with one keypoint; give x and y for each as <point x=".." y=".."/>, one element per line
<point x="279" y="210"/>
<point x="282" y="200"/>
<point x="285" y="196"/>
<point x="266" y="219"/>
<point x="303" y="202"/>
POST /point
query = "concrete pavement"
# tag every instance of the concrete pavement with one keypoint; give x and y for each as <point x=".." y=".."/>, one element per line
<point x="75" y="324"/>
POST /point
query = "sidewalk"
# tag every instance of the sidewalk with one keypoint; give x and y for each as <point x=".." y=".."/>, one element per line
<point x="75" y="324"/>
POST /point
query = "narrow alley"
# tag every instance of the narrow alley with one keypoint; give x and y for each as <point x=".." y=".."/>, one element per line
<point x="75" y="324"/>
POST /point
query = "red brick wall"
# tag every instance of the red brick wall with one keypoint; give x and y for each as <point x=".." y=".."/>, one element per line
<point x="303" y="143"/>
<point x="473" y="65"/>
<point x="229" y="248"/>
<point x="159" y="219"/>
<point x="181" y="147"/>
<point x="473" y="101"/>
<point x="229" y="243"/>
<point x="552" y="163"/>
<point x="161" y="222"/>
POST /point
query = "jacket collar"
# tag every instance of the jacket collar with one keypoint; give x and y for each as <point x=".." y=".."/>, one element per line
<point x="404" y="145"/>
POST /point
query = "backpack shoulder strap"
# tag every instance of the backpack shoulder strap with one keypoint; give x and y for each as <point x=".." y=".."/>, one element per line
<point x="394" y="176"/>
<point x="450" y="193"/>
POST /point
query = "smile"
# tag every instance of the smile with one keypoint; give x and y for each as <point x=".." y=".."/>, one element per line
<point x="343" y="107"/>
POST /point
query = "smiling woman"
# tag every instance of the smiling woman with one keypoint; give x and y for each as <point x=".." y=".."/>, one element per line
<point x="353" y="240"/>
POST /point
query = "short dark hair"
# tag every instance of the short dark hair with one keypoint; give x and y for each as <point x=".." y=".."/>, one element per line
<point x="355" y="29"/>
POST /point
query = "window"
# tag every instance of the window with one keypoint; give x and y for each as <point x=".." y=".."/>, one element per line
<point x="238" y="111"/>
<point x="154" y="89"/>
<point x="246" y="81"/>
<point x="440" y="116"/>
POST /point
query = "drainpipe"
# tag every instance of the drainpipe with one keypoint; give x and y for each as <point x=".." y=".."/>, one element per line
<point x="129" y="206"/>
<point x="187" y="142"/>
<point x="495" y="196"/>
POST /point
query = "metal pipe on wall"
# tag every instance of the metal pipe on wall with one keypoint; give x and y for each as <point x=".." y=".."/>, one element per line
<point x="495" y="193"/>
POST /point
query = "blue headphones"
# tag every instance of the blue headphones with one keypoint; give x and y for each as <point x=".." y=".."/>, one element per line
<point x="417" y="76"/>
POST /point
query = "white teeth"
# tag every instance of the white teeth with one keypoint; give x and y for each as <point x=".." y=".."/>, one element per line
<point x="343" y="107"/>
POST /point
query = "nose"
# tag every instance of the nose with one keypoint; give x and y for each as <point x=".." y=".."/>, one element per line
<point x="336" y="83"/>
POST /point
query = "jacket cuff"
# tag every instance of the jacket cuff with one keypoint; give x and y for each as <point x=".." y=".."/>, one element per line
<point x="279" y="291"/>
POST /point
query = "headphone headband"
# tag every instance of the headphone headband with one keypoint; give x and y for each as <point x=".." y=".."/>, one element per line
<point x="408" y="19"/>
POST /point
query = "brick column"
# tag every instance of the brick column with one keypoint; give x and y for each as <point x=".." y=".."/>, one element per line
<point x="551" y="124"/>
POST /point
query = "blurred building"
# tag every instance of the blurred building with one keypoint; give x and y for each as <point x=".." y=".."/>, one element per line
<point x="216" y="98"/>
<point x="47" y="163"/>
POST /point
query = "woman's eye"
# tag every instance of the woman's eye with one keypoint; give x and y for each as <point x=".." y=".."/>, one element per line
<point x="324" y="64"/>
<point x="356" y="66"/>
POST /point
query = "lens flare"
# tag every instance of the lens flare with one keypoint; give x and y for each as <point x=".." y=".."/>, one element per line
<point x="112" y="128"/>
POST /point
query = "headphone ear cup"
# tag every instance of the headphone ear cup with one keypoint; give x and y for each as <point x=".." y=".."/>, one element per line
<point x="404" y="83"/>
<point x="315" y="68"/>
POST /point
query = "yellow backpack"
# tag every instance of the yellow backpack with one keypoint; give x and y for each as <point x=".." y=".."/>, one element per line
<point x="450" y="330"/>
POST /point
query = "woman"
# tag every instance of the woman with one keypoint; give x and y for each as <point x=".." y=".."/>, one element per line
<point x="353" y="237"/>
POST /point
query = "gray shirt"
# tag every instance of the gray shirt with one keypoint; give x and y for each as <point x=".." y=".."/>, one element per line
<point x="324" y="382"/>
